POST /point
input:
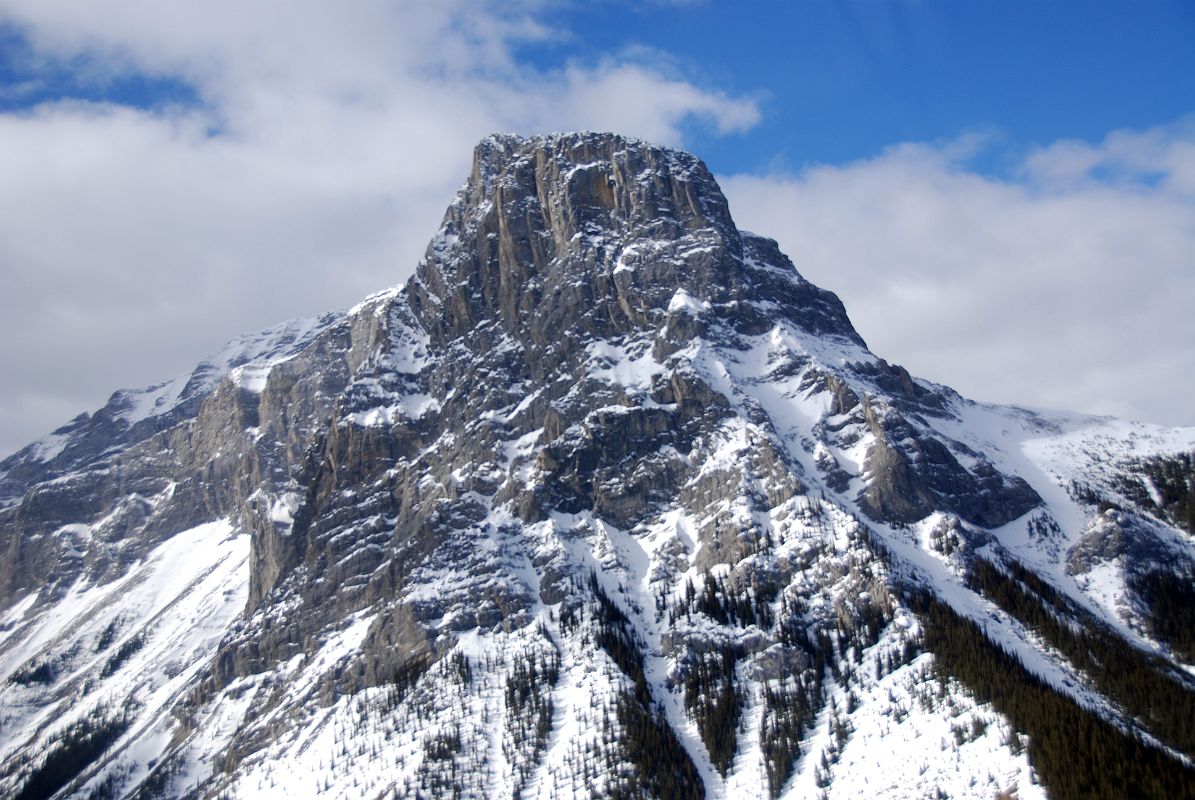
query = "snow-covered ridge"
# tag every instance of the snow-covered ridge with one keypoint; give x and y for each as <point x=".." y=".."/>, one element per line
<point x="246" y="360"/>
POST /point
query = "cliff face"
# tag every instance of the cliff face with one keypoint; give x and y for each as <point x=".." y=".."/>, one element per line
<point x="607" y="500"/>
<point x="592" y="236"/>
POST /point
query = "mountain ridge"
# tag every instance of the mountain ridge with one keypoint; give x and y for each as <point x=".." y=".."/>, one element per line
<point x="606" y="471"/>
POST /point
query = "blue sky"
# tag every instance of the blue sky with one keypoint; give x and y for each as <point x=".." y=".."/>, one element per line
<point x="979" y="181"/>
<point x="835" y="80"/>
<point x="838" y="81"/>
<point x="29" y="78"/>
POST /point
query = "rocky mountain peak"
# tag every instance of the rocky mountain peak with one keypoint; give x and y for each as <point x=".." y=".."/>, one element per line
<point x="592" y="183"/>
<point x="607" y="501"/>
<point x="599" y="235"/>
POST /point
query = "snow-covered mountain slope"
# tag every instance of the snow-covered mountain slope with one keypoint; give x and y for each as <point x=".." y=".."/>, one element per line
<point x="113" y="660"/>
<point x="131" y="415"/>
<point x="606" y="501"/>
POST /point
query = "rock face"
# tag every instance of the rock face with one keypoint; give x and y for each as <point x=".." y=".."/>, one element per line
<point x="606" y="501"/>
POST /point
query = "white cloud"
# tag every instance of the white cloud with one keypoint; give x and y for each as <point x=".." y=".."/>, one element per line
<point x="331" y="137"/>
<point x="329" y="140"/>
<point x="1071" y="285"/>
<point x="624" y="97"/>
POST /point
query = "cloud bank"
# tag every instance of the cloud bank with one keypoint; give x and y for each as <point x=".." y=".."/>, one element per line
<point x="328" y="140"/>
<point x="325" y="140"/>
<point x="1069" y="284"/>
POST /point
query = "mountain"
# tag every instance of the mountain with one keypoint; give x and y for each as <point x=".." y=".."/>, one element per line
<point x="606" y="501"/>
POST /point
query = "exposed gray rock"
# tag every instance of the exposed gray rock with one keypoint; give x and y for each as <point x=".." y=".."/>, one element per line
<point x="1113" y="535"/>
<point x="912" y="473"/>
